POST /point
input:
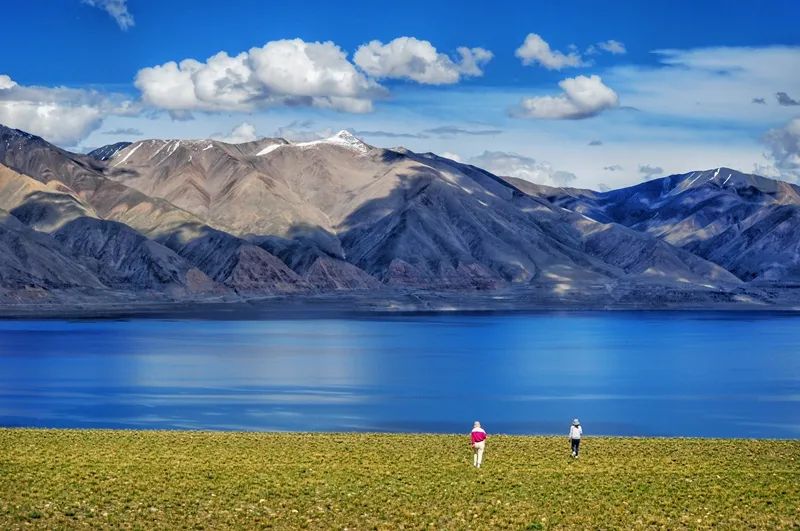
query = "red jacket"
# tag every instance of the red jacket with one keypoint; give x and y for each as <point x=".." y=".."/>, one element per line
<point x="478" y="435"/>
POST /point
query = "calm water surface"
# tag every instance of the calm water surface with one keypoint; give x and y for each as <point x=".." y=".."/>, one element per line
<point x="686" y="373"/>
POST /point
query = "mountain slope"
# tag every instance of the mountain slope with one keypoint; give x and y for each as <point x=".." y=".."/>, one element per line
<point x="746" y="223"/>
<point x="81" y="178"/>
<point x="189" y="220"/>
<point x="403" y="218"/>
<point x="33" y="264"/>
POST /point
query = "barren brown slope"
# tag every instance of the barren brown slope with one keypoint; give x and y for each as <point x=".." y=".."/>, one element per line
<point x="154" y="218"/>
<point x="402" y="217"/>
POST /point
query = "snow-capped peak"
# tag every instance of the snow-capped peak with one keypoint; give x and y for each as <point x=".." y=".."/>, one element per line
<point x="343" y="138"/>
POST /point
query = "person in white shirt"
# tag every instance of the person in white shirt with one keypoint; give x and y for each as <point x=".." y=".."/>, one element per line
<point x="575" y="432"/>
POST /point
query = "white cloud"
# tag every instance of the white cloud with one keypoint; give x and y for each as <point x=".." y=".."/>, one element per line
<point x="536" y="50"/>
<point x="514" y="165"/>
<point x="611" y="46"/>
<point x="784" y="149"/>
<point x="711" y="83"/>
<point x="244" y="132"/>
<point x="417" y="60"/>
<point x="118" y="9"/>
<point x="61" y="115"/>
<point x="284" y="72"/>
<point x="128" y="131"/>
<point x="6" y="82"/>
<point x="583" y="97"/>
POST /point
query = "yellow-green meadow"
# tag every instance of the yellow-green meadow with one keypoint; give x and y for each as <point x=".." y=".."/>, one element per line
<point x="215" y="480"/>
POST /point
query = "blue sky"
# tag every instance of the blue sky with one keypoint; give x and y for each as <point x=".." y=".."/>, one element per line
<point x="603" y="94"/>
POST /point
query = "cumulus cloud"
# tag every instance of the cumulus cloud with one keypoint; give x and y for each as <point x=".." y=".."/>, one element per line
<point x="130" y="131"/>
<point x="759" y="101"/>
<point x="649" y="171"/>
<point x="118" y="9"/>
<point x="6" y="82"/>
<point x="783" y="144"/>
<point x="244" y="132"/>
<point x="61" y="115"/>
<point x="516" y="165"/>
<point x="284" y="72"/>
<point x="582" y="97"/>
<point x="536" y="50"/>
<point x="784" y="99"/>
<point x="420" y="61"/>
<point x="613" y="167"/>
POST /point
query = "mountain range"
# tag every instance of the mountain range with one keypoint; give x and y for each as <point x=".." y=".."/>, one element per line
<point x="204" y="220"/>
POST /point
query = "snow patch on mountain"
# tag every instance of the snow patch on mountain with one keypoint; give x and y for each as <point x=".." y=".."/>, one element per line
<point x="343" y="139"/>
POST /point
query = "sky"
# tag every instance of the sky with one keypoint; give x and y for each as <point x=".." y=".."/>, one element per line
<point x="582" y="93"/>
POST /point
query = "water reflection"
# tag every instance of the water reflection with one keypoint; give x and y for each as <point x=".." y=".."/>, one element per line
<point x="623" y="373"/>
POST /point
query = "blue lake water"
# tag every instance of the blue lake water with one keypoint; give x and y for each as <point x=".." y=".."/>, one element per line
<point x="654" y="373"/>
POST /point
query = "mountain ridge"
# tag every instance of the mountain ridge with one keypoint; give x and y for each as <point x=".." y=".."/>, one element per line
<point x="208" y="220"/>
<point x="744" y="222"/>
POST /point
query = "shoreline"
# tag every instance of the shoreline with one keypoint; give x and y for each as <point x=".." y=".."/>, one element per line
<point x="351" y="304"/>
<point x="412" y="434"/>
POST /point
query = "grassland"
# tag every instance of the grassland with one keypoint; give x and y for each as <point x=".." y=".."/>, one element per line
<point x="136" y="479"/>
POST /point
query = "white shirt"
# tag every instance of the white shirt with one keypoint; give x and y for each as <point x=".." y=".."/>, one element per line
<point x="575" y="432"/>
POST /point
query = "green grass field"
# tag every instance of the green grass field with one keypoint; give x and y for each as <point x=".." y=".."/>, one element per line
<point x="155" y="479"/>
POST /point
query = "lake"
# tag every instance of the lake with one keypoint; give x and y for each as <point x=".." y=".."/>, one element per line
<point x="710" y="374"/>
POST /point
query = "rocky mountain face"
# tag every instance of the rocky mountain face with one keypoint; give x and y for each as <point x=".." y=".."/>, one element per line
<point x="341" y="210"/>
<point x="748" y="224"/>
<point x="185" y="220"/>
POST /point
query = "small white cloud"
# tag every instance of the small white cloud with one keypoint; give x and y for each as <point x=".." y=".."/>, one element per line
<point x="284" y="72"/>
<point x="61" y="115"/>
<point x="118" y="9"/>
<point x="508" y="164"/>
<point x="536" y="50"/>
<point x="583" y="97"/>
<point x="128" y="131"/>
<point x="244" y="132"/>
<point x="613" y="47"/>
<point x="418" y="60"/>
<point x="784" y="149"/>
<point x="6" y="82"/>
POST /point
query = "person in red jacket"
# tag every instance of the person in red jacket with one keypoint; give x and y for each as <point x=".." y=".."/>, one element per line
<point x="478" y="437"/>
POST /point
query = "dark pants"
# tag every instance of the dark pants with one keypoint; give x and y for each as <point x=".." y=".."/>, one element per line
<point x="576" y="443"/>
